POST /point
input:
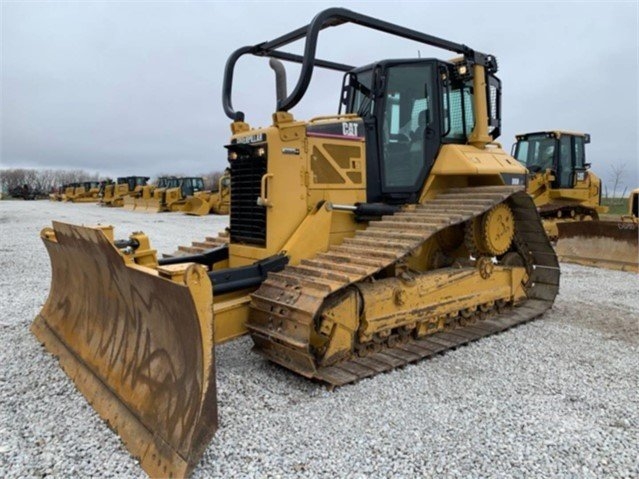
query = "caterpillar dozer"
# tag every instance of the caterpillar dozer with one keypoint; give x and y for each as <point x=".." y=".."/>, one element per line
<point x="204" y="202"/>
<point x="115" y="193"/>
<point x="102" y="190"/>
<point x="153" y="195"/>
<point x="68" y="192"/>
<point x="560" y="181"/>
<point x="177" y="199"/>
<point x="86" y="192"/>
<point x="171" y="194"/>
<point x="58" y="193"/>
<point x="141" y="199"/>
<point x="605" y="244"/>
<point x="358" y="242"/>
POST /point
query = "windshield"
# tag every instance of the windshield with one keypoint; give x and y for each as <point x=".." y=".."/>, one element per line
<point x="536" y="152"/>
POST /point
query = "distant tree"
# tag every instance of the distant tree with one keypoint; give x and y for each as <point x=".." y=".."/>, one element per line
<point x="212" y="180"/>
<point x="41" y="181"/>
<point x="617" y="173"/>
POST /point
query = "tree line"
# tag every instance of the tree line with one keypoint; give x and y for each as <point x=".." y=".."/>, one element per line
<point x="43" y="181"/>
<point x="46" y="181"/>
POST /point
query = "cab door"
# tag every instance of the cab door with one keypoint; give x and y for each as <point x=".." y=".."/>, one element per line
<point x="408" y="128"/>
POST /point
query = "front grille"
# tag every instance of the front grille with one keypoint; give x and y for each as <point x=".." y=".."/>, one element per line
<point x="248" y="219"/>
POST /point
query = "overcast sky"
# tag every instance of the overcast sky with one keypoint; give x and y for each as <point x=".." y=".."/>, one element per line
<point x="125" y="88"/>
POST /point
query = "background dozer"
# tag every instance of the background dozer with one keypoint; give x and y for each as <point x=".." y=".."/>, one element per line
<point x="58" y="193"/>
<point x="68" y="192"/>
<point x="86" y="192"/>
<point x="102" y="189"/>
<point x="606" y="244"/>
<point x="560" y="182"/>
<point x="358" y="242"/>
<point x="153" y="198"/>
<point x="171" y="194"/>
<point x="216" y="201"/>
<point x="176" y="199"/>
<point x="115" y="193"/>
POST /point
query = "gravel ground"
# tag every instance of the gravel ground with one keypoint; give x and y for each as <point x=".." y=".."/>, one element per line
<point x="555" y="397"/>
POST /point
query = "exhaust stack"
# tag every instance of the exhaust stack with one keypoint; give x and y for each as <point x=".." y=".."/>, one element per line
<point x="280" y="80"/>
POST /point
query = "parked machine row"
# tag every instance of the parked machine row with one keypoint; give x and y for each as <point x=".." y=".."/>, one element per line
<point x="80" y="192"/>
<point x="185" y="194"/>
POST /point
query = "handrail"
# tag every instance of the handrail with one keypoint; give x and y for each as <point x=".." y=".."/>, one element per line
<point x="329" y="18"/>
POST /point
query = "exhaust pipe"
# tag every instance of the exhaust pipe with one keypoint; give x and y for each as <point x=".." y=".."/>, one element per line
<point x="280" y="80"/>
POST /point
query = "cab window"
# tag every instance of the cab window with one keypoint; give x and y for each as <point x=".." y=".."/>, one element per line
<point x="406" y="115"/>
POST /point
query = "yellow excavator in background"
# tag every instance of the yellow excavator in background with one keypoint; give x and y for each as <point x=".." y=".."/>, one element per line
<point x="560" y="182"/>
<point x="358" y="242"/>
<point x="606" y="244"/>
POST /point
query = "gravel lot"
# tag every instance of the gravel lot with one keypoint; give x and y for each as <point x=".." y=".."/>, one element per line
<point x="556" y="397"/>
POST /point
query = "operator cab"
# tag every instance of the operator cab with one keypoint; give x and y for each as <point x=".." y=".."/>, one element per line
<point x="191" y="185"/>
<point x="562" y="153"/>
<point x="410" y="108"/>
<point x="135" y="181"/>
<point x="168" y="182"/>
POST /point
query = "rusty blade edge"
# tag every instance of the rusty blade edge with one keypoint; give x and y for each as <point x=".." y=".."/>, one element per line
<point x="156" y="460"/>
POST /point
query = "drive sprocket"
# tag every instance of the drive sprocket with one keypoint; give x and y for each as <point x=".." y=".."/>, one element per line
<point x="498" y="228"/>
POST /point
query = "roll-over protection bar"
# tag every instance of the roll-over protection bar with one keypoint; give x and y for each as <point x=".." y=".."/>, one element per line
<point x="331" y="17"/>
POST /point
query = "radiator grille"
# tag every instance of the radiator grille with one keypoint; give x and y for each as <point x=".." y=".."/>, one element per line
<point x="248" y="219"/>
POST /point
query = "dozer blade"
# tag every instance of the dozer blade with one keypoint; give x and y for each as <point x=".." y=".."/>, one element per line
<point x="196" y="206"/>
<point x="139" y="204"/>
<point x="153" y="205"/>
<point x="139" y="346"/>
<point x="606" y="244"/>
<point x="129" y="203"/>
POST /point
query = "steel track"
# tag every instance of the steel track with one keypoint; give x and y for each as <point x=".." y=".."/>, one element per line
<point x="284" y="308"/>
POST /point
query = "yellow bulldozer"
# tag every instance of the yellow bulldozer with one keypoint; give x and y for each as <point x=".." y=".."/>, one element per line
<point x="177" y="199"/>
<point x="205" y="202"/>
<point x="141" y="199"/>
<point x="172" y="194"/>
<point x="560" y="182"/>
<point x="85" y="192"/>
<point x="115" y="193"/>
<point x="149" y="198"/>
<point x="358" y="242"/>
<point x="68" y="192"/>
<point x="58" y="193"/>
